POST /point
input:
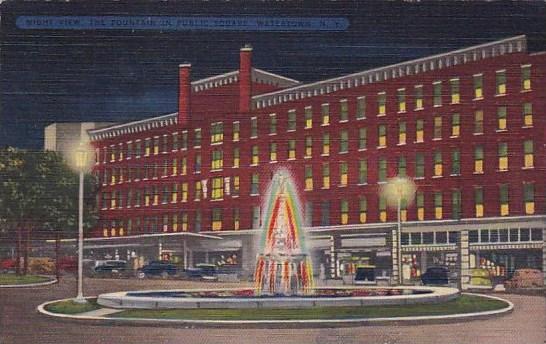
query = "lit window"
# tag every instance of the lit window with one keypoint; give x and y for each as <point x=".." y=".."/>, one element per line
<point x="174" y="167"/>
<point x="401" y="97"/>
<point x="344" y="212"/>
<point x="165" y="223"/>
<point x="382" y="135"/>
<point x="456" y="162"/>
<point x="236" y="219"/>
<point x="382" y="170"/>
<point x="291" y="120"/>
<point x="291" y="149"/>
<point x="216" y="219"/>
<point x="455" y="125"/>
<point x="362" y="171"/>
<point x="236" y="131"/>
<point x="217" y="159"/>
<point x="527" y="114"/>
<point x="325" y="175"/>
<point x="402" y="166"/>
<point x="147" y="147"/>
<point x="529" y="198"/>
<point x="236" y="157"/>
<point x="419" y="165"/>
<point x="183" y="166"/>
<point x="343" y="110"/>
<point x="438" y="205"/>
<point x="197" y="137"/>
<point x="344" y="141"/>
<point x="362" y="138"/>
<point x="503" y="156"/>
<point x="343" y="173"/>
<point x="253" y="127"/>
<point x="184" y="220"/>
<point x="236" y="186"/>
<point x="217" y="188"/>
<point x="272" y="151"/>
<point x="403" y="210"/>
<point x="501" y="118"/>
<point x="402" y="133"/>
<point x="113" y="200"/>
<point x="382" y="209"/>
<point x="419" y="130"/>
<point x="156" y="195"/>
<point x="255" y="159"/>
<point x="217" y="132"/>
<point x="361" y="107"/>
<point x="174" y="193"/>
<point x="456" y="204"/>
<point x="198" y="190"/>
<point x="325" y="112"/>
<point x="381" y="104"/>
<point x="308" y="111"/>
<point x="175" y="223"/>
<point x="478" y="86"/>
<point x="478" y="201"/>
<point x="437" y="93"/>
<point x="438" y="164"/>
<point x="528" y="151"/>
<point x="478" y="159"/>
<point x="420" y="205"/>
<point x="197" y="166"/>
<point x="254" y="184"/>
<point x="308" y="146"/>
<point x="147" y="197"/>
<point x="326" y="144"/>
<point x="363" y="209"/>
<point x="308" y="177"/>
<point x="455" y="93"/>
<point x="526" y="78"/>
<point x="500" y="82"/>
<point x="419" y="97"/>
<point x="478" y="122"/>
<point x="120" y="149"/>
<point x="503" y="200"/>
<point x="272" y="124"/>
<point x="156" y="145"/>
<point x="437" y="134"/>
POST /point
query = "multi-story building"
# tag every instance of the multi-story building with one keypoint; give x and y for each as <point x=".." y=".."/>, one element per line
<point x="466" y="126"/>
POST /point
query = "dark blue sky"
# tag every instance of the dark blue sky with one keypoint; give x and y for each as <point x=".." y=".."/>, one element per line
<point x="108" y="75"/>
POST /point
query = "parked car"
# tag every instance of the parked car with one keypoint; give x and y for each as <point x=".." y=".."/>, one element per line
<point x="111" y="268"/>
<point x="526" y="278"/>
<point x="8" y="265"/>
<point x="203" y="271"/>
<point x="436" y="275"/>
<point x="157" y="268"/>
<point x="68" y="264"/>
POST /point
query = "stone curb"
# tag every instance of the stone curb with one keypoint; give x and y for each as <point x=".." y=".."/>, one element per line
<point x="30" y="285"/>
<point x="310" y="323"/>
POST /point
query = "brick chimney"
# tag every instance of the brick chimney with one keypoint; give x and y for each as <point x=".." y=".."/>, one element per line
<point x="245" y="78"/>
<point x="184" y="93"/>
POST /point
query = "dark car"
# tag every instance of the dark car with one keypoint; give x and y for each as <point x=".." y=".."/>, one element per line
<point x="111" y="268"/>
<point x="158" y="268"/>
<point x="436" y="275"/>
<point x="203" y="271"/>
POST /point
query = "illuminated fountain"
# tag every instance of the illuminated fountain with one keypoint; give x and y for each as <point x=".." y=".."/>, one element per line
<point x="283" y="266"/>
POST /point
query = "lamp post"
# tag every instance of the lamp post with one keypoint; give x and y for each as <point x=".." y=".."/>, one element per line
<point x="81" y="161"/>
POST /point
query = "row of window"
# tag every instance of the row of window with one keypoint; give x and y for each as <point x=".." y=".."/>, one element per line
<point x="513" y="235"/>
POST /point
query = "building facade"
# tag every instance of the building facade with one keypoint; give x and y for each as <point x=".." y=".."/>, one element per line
<point x="467" y="127"/>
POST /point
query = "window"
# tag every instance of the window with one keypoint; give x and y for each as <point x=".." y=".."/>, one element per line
<point x="291" y="120"/>
<point x="197" y="167"/>
<point x="236" y="186"/>
<point x="156" y="195"/>
<point x="325" y="111"/>
<point x="165" y="195"/>
<point x="138" y="198"/>
<point x="382" y="209"/>
<point x="438" y="164"/>
<point x="382" y="170"/>
<point x="343" y="110"/>
<point x="478" y="159"/>
<point x="437" y="134"/>
<point x="500" y="82"/>
<point x="253" y="127"/>
<point x="402" y="166"/>
<point x="344" y="141"/>
<point x="401" y="97"/>
<point x="455" y="93"/>
<point x="308" y="111"/>
<point x="455" y="125"/>
<point x="362" y="171"/>
<point x="419" y="165"/>
<point x="198" y="191"/>
<point x="308" y="146"/>
<point x="344" y="212"/>
<point x="325" y="213"/>
<point x="381" y="103"/>
<point x="272" y="151"/>
<point x="361" y="107"/>
<point x="236" y="131"/>
<point x="308" y="213"/>
<point x="174" y="167"/>
<point x="403" y="209"/>
<point x="326" y="144"/>
<point x="503" y="200"/>
<point x="526" y="78"/>
<point x="255" y="157"/>
<point x="308" y="177"/>
<point x="343" y="173"/>
<point x="255" y="217"/>
<point x="362" y="138"/>
<point x="528" y="154"/>
<point x="291" y="149"/>
<point x="478" y="201"/>
<point x="456" y="204"/>
<point x="455" y="162"/>
<point x="419" y="97"/>
<point x="381" y="135"/>
<point x="174" y="193"/>
<point x="420" y="205"/>
<point x="527" y="114"/>
<point x="254" y="184"/>
<point x="501" y="118"/>
<point x="156" y="145"/>
<point x="175" y="142"/>
<point x="217" y="159"/>
<point x="437" y="93"/>
<point x="165" y="223"/>
<point x="503" y="156"/>
<point x="529" y="198"/>
<point x="197" y="137"/>
<point x="147" y="147"/>
<point x="138" y="148"/>
<point x="272" y="124"/>
<point x="402" y="133"/>
<point x="325" y="175"/>
<point x="419" y="130"/>
<point x="184" y="143"/>
<point x="236" y="157"/>
<point x="197" y="222"/>
<point x="438" y="205"/>
<point x="217" y="188"/>
<point x="217" y="132"/>
<point x="184" y="192"/>
<point x="362" y="209"/>
<point x="236" y="219"/>
<point x="478" y="86"/>
<point x="478" y="122"/>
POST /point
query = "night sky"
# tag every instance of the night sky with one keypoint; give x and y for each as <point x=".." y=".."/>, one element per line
<point x="118" y="75"/>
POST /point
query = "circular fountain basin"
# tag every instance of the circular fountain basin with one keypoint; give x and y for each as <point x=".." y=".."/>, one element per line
<point x="244" y="298"/>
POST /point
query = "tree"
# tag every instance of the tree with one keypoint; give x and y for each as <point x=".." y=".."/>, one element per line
<point x="39" y="198"/>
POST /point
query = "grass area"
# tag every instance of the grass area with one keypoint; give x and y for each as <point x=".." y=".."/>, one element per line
<point x="8" y="279"/>
<point x="71" y="307"/>
<point x="464" y="304"/>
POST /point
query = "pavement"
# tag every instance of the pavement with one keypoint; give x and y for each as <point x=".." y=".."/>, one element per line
<point x="20" y="323"/>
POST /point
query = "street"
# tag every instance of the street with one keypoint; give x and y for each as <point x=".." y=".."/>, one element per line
<point x="20" y="323"/>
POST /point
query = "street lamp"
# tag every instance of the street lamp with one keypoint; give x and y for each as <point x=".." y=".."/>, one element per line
<point x="81" y="162"/>
<point x="396" y="190"/>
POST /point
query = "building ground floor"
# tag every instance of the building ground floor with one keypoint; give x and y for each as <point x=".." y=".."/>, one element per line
<point x="384" y="255"/>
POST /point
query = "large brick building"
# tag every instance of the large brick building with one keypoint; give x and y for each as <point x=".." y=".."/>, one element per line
<point x="467" y="126"/>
